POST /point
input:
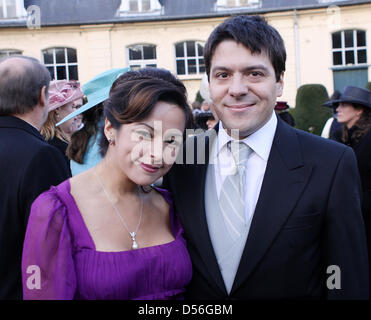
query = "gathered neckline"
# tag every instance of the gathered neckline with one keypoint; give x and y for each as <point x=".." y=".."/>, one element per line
<point x="175" y="233"/>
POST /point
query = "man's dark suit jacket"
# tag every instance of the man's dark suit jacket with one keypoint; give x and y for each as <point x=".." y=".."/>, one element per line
<point x="29" y="166"/>
<point x="307" y="218"/>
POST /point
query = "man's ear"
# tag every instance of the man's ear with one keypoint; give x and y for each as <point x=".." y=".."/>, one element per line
<point x="43" y="99"/>
<point x="280" y="85"/>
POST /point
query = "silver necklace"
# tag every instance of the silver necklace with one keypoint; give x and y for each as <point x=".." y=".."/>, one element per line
<point x="134" y="233"/>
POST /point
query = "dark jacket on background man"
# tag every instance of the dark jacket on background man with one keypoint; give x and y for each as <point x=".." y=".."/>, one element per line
<point x="29" y="166"/>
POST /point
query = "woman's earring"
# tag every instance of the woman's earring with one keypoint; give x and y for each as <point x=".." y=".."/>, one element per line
<point x="111" y="141"/>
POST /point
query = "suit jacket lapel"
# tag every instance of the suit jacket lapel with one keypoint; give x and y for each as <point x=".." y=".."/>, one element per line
<point x="195" y="221"/>
<point x="285" y="175"/>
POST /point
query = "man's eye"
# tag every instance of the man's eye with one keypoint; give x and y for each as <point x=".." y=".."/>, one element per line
<point x="222" y="75"/>
<point x="256" y="74"/>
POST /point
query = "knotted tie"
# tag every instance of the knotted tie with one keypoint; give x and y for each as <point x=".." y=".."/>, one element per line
<point x="232" y="195"/>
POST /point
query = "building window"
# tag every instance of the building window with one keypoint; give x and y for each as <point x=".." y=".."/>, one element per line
<point x="61" y="63"/>
<point x="9" y="52"/>
<point x="237" y="4"/>
<point x="189" y="58"/>
<point x="12" y="9"/>
<point x="328" y="1"/>
<point x="139" y="7"/>
<point x="141" y="56"/>
<point x="349" y="48"/>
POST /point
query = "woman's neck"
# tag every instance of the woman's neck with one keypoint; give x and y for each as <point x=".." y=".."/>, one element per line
<point x="114" y="180"/>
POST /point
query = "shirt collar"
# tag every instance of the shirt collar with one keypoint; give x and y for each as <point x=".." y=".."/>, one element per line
<point x="254" y="141"/>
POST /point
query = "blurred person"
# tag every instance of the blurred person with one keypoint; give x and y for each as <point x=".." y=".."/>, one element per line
<point x="28" y="164"/>
<point x="205" y="106"/>
<point x="83" y="149"/>
<point x="64" y="98"/>
<point x="281" y="108"/>
<point x="202" y="119"/>
<point x="207" y="120"/>
<point x="354" y="114"/>
<point x="332" y="128"/>
<point x="105" y="233"/>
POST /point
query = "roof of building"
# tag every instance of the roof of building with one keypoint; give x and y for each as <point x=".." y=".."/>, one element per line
<point x="78" y="12"/>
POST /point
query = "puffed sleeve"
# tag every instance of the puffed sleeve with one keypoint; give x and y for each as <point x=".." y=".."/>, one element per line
<point x="48" y="270"/>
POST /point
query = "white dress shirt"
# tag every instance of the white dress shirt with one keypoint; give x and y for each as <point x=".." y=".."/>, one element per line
<point x="261" y="143"/>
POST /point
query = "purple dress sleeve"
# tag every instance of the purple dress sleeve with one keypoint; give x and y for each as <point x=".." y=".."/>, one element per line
<point x="48" y="270"/>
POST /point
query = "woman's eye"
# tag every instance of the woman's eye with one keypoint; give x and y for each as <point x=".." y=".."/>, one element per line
<point x="144" y="134"/>
<point x="172" y="141"/>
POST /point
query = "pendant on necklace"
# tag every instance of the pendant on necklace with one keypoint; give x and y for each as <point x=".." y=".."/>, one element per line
<point x="134" y="245"/>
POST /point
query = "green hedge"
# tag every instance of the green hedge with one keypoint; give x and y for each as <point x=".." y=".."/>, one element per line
<point x="368" y="86"/>
<point x="309" y="113"/>
<point x="199" y="97"/>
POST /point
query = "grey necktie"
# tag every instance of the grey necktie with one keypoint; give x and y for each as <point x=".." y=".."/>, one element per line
<point x="232" y="195"/>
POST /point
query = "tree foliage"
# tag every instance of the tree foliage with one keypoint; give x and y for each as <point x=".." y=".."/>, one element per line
<point x="309" y="113"/>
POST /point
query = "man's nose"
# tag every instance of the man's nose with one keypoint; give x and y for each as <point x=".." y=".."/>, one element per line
<point x="238" y="87"/>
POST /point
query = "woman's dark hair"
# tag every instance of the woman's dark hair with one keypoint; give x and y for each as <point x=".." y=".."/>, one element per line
<point x="255" y="34"/>
<point x="134" y="95"/>
<point x="80" y="139"/>
<point x="362" y="126"/>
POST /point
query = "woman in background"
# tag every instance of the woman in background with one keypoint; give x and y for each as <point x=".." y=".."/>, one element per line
<point x="64" y="98"/>
<point x="83" y="149"/>
<point x="354" y="112"/>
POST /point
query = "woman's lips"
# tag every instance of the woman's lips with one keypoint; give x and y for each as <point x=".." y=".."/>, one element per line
<point x="149" y="168"/>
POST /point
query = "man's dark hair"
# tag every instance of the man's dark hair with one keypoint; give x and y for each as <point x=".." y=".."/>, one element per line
<point x="255" y="34"/>
<point x="20" y="85"/>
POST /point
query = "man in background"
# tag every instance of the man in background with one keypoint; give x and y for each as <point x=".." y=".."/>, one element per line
<point x="28" y="165"/>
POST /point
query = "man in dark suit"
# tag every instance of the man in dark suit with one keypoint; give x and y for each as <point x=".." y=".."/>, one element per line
<point x="28" y="164"/>
<point x="280" y="218"/>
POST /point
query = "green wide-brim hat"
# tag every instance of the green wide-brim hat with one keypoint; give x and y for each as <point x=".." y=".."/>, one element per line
<point x="96" y="90"/>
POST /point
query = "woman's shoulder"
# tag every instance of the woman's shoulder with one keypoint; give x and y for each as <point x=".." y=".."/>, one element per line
<point x="53" y="199"/>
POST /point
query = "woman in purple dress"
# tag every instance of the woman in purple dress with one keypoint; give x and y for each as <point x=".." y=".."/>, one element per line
<point x="105" y="234"/>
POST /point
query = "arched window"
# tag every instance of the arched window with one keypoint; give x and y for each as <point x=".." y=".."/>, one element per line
<point x="9" y="52"/>
<point x="142" y="55"/>
<point x="349" y="47"/>
<point x="61" y="63"/>
<point x="189" y="58"/>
